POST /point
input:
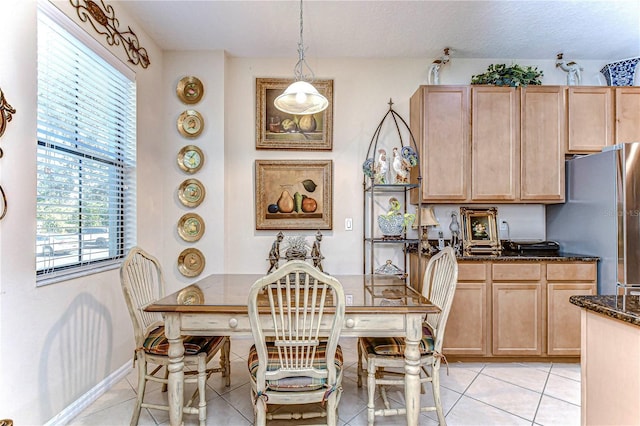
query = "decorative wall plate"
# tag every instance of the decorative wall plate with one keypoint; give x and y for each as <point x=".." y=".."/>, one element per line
<point x="190" y="227"/>
<point x="190" y="158"/>
<point x="191" y="262"/>
<point x="190" y="123"/>
<point x="191" y="192"/>
<point x="191" y="295"/>
<point x="190" y="90"/>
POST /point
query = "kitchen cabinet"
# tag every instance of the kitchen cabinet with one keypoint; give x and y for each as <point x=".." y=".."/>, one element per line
<point x="466" y="329"/>
<point x="589" y="118"/>
<point x="627" y="114"/>
<point x="484" y="144"/>
<point x="517" y="308"/>
<point x="542" y="142"/>
<point x="563" y="327"/>
<point x="495" y="143"/>
<point x="439" y="120"/>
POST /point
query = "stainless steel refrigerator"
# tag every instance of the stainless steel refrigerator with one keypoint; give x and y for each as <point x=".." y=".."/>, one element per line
<point x="601" y="214"/>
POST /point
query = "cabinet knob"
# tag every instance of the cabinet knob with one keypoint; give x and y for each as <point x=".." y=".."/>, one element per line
<point x="350" y="323"/>
<point x="233" y="323"/>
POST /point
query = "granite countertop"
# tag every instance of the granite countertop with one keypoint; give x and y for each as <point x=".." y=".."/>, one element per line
<point x="519" y="257"/>
<point x="611" y="306"/>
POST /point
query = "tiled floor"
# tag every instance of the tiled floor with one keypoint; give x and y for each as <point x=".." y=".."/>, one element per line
<point x="472" y="394"/>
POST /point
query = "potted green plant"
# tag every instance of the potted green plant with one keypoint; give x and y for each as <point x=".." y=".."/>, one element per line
<point x="514" y="76"/>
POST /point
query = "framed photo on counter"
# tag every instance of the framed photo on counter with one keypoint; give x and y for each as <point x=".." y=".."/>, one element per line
<point x="480" y="231"/>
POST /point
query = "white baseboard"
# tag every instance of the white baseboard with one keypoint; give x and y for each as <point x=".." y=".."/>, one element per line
<point x="80" y="404"/>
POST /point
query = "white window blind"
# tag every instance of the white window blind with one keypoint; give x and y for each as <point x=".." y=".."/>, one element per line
<point x="86" y="157"/>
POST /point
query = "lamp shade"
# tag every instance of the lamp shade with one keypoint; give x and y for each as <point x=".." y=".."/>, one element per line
<point x="427" y="217"/>
<point x="301" y="98"/>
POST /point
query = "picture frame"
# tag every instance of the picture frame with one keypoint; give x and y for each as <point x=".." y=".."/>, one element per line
<point x="278" y="130"/>
<point x="294" y="194"/>
<point x="480" y="231"/>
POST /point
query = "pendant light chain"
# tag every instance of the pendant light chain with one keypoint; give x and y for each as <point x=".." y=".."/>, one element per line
<point x="298" y="70"/>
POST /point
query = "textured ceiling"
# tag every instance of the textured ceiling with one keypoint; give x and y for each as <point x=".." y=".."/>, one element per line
<point x="472" y="29"/>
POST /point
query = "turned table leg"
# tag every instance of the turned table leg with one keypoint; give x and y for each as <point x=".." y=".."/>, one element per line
<point x="176" y="368"/>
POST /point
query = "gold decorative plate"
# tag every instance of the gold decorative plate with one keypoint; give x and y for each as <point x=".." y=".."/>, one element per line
<point x="191" y="262"/>
<point x="191" y="192"/>
<point x="191" y="227"/>
<point x="190" y="123"/>
<point x="190" y="90"/>
<point x="191" y="295"/>
<point x="190" y="158"/>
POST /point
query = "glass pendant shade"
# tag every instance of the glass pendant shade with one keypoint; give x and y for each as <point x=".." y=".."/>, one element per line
<point x="301" y="98"/>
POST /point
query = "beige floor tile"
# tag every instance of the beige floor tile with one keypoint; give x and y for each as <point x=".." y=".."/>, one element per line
<point x="553" y="412"/>
<point x="470" y="412"/>
<point x="505" y="396"/>
<point x="458" y="379"/>
<point x="518" y="374"/>
<point x="119" y="414"/>
<point x="562" y="388"/>
<point x="570" y="371"/>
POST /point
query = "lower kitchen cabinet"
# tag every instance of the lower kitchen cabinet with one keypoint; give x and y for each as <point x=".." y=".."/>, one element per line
<point x="518" y="309"/>
<point x="466" y="328"/>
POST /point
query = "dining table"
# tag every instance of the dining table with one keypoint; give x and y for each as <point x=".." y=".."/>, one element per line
<point x="376" y="306"/>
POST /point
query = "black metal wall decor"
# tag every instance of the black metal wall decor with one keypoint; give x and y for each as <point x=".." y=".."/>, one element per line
<point x="6" y="112"/>
<point x="103" y="20"/>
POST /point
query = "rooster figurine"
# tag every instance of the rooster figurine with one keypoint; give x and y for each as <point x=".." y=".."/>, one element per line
<point x="401" y="167"/>
<point x="381" y="168"/>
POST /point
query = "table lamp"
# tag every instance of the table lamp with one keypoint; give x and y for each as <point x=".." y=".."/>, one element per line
<point x="427" y="219"/>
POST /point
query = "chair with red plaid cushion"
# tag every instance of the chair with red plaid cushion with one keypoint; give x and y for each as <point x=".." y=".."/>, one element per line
<point x="296" y="315"/>
<point x="142" y="284"/>
<point x="383" y="353"/>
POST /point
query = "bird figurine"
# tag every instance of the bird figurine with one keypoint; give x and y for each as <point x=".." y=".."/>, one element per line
<point x="381" y="168"/>
<point x="401" y="167"/>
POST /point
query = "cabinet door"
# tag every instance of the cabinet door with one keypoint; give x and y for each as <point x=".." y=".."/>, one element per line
<point x="627" y="127"/>
<point x="517" y="318"/>
<point x="495" y="143"/>
<point x="542" y="143"/>
<point x="440" y="122"/>
<point x="466" y="331"/>
<point x="589" y="118"/>
<point x="563" y="326"/>
<point x="563" y="318"/>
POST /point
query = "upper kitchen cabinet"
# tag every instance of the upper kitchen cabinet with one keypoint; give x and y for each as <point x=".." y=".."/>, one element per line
<point x="440" y="122"/>
<point x="481" y="144"/>
<point x="627" y="123"/>
<point x="542" y="142"/>
<point x="495" y="143"/>
<point x="589" y="118"/>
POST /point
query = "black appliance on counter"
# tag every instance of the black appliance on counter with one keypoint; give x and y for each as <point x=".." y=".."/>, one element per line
<point x="532" y="248"/>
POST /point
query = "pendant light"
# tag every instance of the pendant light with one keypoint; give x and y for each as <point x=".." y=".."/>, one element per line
<point x="301" y="97"/>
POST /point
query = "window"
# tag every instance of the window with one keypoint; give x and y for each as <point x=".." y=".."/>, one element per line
<point x="86" y="190"/>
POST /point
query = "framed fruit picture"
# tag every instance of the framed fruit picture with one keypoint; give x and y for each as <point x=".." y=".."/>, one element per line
<point x="294" y="194"/>
<point x="278" y="130"/>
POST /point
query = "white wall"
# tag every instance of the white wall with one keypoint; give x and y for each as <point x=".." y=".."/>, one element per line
<point x="46" y="359"/>
<point x="58" y="341"/>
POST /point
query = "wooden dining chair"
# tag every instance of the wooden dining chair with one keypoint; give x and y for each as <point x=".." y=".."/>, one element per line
<point x="380" y="353"/>
<point x="296" y="315"/>
<point x="143" y="283"/>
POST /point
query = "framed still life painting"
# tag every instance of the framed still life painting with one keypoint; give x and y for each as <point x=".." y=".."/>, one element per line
<point x="278" y="130"/>
<point x="479" y="231"/>
<point x="294" y="194"/>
